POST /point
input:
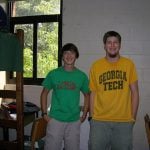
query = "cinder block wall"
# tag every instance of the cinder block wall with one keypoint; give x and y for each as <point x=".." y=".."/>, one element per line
<point x="85" y="22"/>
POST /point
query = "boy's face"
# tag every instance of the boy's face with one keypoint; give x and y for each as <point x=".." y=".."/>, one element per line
<point x="69" y="57"/>
<point x="112" y="46"/>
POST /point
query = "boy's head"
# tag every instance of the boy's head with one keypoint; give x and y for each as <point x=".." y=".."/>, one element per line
<point x="70" y="47"/>
<point x="110" y="34"/>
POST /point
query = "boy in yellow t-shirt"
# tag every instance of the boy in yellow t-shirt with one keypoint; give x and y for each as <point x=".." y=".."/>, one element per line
<point x="114" y="98"/>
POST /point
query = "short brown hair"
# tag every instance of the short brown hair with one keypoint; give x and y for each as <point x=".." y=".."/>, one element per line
<point x="70" y="47"/>
<point x="110" y="34"/>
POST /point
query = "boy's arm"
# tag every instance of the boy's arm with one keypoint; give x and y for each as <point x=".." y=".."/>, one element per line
<point x="43" y="100"/>
<point x="134" y="98"/>
<point x="85" y="107"/>
<point x="91" y="105"/>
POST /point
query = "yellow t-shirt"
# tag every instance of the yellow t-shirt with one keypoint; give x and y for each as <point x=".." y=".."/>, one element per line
<point x="110" y="83"/>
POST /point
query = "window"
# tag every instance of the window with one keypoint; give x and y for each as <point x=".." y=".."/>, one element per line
<point x="41" y="21"/>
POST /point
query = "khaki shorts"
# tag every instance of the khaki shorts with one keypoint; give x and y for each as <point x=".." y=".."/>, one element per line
<point x="58" y="132"/>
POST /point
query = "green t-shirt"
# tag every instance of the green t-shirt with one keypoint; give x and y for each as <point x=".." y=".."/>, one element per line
<point x="66" y="87"/>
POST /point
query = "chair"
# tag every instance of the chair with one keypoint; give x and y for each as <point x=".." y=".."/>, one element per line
<point x="147" y="128"/>
<point x="38" y="131"/>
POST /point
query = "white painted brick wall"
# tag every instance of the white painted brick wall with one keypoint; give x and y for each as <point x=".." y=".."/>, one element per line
<point x="85" y="22"/>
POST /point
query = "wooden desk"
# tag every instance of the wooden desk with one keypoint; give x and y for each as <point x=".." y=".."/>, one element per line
<point x="8" y="121"/>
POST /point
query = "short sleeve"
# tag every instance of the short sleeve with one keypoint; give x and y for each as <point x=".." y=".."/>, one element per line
<point x="47" y="82"/>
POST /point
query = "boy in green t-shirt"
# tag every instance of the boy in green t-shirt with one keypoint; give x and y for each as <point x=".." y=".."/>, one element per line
<point x="63" y="119"/>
